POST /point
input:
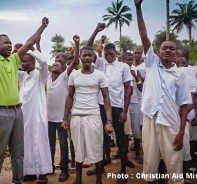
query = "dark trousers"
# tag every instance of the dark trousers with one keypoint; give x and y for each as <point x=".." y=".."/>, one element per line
<point x="62" y="134"/>
<point x="118" y="127"/>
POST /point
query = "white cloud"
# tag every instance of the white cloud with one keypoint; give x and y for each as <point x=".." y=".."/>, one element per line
<point x="13" y="16"/>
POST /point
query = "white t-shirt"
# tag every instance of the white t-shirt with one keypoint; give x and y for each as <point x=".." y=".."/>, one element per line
<point x="117" y="73"/>
<point x="56" y="97"/>
<point x="134" y="96"/>
<point x="87" y="87"/>
<point x="141" y="68"/>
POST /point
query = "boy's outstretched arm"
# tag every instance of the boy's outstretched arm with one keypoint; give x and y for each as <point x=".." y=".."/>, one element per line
<point x="32" y="40"/>
<point x="141" y="26"/>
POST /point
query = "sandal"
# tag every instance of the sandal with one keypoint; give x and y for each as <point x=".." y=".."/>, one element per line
<point x="42" y="179"/>
<point x="72" y="170"/>
<point x="91" y="172"/>
<point x="139" y="159"/>
<point x="63" y="177"/>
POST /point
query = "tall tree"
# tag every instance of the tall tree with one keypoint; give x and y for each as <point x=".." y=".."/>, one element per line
<point x="119" y="15"/>
<point x="58" y="45"/>
<point x="167" y="19"/>
<point x="125" y="44"/>
<point x="193" y="53"/>
<point x="184" y="15"/>
<point x="160" y="37"/>
<point x="57" y="38"/>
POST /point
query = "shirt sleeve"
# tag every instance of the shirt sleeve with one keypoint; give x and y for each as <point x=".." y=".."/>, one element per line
<point x="183" y="91"/>
<point x="65" y="74"/>
<point x="103" y="80"/>
<point x="99" y="62"/>
<point x="151" y="58"/>
<point x="16" y="59"/>
<point x="71" y="79"/>
<point x="132" y="81"/>
<point x="127" y="74"/>
<point x="43" y="65"/>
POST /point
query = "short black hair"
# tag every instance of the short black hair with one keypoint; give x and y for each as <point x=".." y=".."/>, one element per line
<point x="64" y="55"/>
<point x="138" y="48"/>
<point x="127" y="54"/>
<point x="1" y="35"/>
<point x="70" y="58"/>
<point x="110" y="46"/>
<point x="86" y="48"/>
<point x="168" y="41"/>
<point x="185" y="54"/>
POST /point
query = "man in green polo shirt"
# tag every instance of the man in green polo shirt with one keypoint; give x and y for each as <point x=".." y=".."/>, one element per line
<point x="11" y="117"/>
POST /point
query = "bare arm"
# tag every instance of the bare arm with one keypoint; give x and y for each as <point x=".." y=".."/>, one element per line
<point x="107" y="104"/>
<point x="127" y="98"/>
<point x="38" y="45"/>
<point x="138" y="79"/>
<point x="76" y="56"/>
<point x="32" y="40"/>
<point x="69" y="101"/>
<point x="127" y="95"/>
<point x="99" y="27"/>
<point x="108" y="110"/>
<point x="68" y="106"/>
<point x="100" y="49"/>
<point x="141" y="26"/>
<point x="178" y="142"/>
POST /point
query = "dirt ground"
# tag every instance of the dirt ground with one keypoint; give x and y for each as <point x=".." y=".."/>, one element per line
<point x="113" y="168"/>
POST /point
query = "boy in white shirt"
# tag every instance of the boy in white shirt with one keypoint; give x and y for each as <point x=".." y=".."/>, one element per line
<point x="166" y="95"/>
<point x="57" y="90"/>
<point x="86" y="125"/>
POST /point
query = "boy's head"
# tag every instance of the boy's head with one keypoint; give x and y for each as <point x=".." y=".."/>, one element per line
<point x="127" y="58"/>
<point x="185" y="54"/>
<point x="5" y="46"/>
<point x="28" y="63"/>
<point x="70" y="60"/>
<point x="181" y="62"/>
<point x="57" y="68"/>
<point x="137" y="54"/>
<point x="87" y="56"/>
<point x="168" y="51"/>
<point x="62" y="58"/>
<point x="110" y="52"/>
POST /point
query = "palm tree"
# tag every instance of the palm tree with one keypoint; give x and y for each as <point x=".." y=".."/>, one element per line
<point x="57" y="38"/>
<point x="184" y="15"/>
<point x="167" y="21"/>
<point x="58" y="47"/>
<point x="160" y="37"/>
<point x="125" y="44"/>
<point x="118" y="14"/>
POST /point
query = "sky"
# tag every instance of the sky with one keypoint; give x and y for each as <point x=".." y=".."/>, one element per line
<point x="19" y="19"/>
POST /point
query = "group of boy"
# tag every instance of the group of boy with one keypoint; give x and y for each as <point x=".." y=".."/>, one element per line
<point x="98" y="96"/>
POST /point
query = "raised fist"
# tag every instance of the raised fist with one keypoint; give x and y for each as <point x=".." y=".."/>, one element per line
<point x="100" y="26"/>
<point x="17" y="47"/>
<point x="76" y="39"/>
<point x="71" y="50"/>
<point x="100" y="47"/>
<point x="45" y="22"/>
<point x="138" y="2"/>
<point x="103" y="38"/>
